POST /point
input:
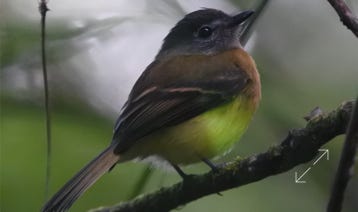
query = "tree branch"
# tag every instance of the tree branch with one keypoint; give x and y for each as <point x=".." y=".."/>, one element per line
<point x="43" y="9"/>
<point x="346" y="15"/>
<point x="346" y="164"/>
<point x="246" y="34"/>
<point x="300" y="146"/>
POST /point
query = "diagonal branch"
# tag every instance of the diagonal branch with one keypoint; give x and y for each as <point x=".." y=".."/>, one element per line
<point x="346" y="164"/>
<point x="346" y="15"/>
<point x="246" y="34"/>
<point x="300" y="146"/>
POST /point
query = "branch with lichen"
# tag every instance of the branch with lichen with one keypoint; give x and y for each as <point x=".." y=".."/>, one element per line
<point x="300" y="146"/>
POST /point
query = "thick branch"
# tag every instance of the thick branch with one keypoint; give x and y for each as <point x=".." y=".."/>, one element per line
<point x="300" y="146"/>
<point x="346" y="164"/>
<point x="346" y="15"/>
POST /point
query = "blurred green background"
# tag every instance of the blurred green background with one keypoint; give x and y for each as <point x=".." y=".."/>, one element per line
<point x="97" y="49"/>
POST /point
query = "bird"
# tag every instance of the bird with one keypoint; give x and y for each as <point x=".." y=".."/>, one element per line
<point x="192" y="103"/>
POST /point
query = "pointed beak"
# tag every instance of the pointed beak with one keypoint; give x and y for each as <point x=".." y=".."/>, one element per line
<point x="240" y="18"/>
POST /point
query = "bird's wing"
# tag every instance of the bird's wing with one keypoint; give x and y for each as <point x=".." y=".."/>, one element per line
<point x="156" y="106"/>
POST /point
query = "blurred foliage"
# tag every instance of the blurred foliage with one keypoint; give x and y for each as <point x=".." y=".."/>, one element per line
<point x="20" y="37"/>
<point x="16" y="38"/>
<point x="80" y="132"/>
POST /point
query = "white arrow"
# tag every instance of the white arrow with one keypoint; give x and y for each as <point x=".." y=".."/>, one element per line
<point x="298" y="179"/>
<point x="325" y="152"/>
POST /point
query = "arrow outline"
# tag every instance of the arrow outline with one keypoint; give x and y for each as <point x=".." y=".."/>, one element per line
<point x="325" y="152"/>
<point x="297" y="180"/>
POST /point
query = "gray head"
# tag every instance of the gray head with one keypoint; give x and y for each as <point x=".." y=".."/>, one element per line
<point x="206" y="31"/>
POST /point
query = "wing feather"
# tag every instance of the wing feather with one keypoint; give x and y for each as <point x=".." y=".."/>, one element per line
<point x="159" y="107"/>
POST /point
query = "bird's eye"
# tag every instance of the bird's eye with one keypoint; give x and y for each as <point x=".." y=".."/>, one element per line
<point x="205" y="32"/>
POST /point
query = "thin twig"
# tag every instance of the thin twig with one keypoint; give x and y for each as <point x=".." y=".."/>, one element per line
<point x="249" y="26"/>
<point x="300" y="146"/>
<point x="346" y="15"/>
<point x="346" y="165"/>
<point x="43" y="10"/>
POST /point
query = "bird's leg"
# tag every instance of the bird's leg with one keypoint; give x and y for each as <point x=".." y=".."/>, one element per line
<point x="181" y="172"/>
<point x="213" y="167"/>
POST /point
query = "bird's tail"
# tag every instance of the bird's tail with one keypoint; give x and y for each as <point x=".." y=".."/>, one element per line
<point x="75" y="187"/>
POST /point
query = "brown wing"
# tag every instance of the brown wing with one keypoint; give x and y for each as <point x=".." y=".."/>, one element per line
<point x="152" y="105"/>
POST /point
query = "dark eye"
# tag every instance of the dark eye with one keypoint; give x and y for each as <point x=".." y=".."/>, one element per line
<point x="205" y="32"/>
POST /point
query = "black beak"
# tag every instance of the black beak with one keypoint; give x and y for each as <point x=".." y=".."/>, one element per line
<point x="240" y="18"/>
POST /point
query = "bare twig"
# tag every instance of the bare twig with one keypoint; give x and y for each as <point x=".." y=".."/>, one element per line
<point x="43" y="10"/>
<point x="249" y="26"/>
<point x="300" y="146"/>
<point x="346" y="164"/>
<point x="346" y="15"/>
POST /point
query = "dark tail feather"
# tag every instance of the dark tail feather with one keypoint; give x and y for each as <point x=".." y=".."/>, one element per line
<point x="74" y="188"/>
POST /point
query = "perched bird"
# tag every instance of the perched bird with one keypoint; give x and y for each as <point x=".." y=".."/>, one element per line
<point x="193" y="102"/>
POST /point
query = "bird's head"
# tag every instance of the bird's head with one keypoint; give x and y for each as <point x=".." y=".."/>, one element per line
<point x="206" y="31"/>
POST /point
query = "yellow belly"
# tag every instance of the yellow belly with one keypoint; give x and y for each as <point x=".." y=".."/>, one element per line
<point x="205" y="136"/>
